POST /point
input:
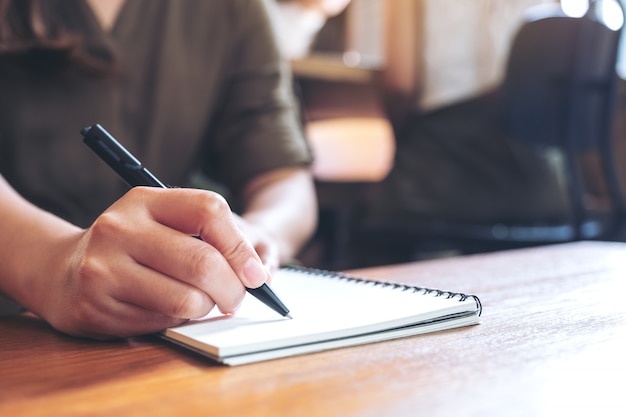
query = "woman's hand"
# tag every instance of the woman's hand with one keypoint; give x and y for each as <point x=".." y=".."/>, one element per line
<point x="280" y="213"/>
<point x="265" y="245"/>
<point x="137" y="269"/>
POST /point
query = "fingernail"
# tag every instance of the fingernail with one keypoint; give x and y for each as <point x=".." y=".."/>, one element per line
<point x="255" y="273"/>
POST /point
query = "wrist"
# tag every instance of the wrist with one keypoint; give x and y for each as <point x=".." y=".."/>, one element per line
<point x="40" y="261"/>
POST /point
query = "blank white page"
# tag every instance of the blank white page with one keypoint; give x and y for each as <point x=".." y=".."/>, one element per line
<point x="323" y="307"/>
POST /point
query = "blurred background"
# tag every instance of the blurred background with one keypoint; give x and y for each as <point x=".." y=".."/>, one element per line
<point x="367" y="68"/>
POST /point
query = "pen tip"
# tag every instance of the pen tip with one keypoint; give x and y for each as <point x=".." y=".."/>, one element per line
<point x="288" y="316"/>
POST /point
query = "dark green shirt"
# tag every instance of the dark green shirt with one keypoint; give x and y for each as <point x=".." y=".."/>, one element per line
<point x="201" y="86"/>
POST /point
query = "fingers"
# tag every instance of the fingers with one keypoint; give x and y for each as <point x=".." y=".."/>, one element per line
<point x="181" y="277"/>
<point x="116" y="319"/>
<point x="265" y="247"/>
<point x="206" y="214"/>
<point x="157" y="239"/>
<point x="151" y="290"/>
<point x="138" y="270"/>
<point x="269" y="256"/>
<point x="92" y="302"/>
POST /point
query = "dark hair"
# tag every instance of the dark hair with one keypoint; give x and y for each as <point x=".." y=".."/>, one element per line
<point x="35" y="30"/>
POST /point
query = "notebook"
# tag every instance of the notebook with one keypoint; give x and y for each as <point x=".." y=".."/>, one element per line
<point x="330" y="310"/>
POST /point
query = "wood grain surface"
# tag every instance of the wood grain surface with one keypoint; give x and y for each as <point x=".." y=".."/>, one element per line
<point x="551" y="342"/>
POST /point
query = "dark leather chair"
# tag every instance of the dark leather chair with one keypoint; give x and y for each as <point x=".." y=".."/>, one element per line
<point x="559" y="91"/>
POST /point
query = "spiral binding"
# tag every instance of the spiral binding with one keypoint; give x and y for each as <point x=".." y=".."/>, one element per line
<point x="387" y="284"/>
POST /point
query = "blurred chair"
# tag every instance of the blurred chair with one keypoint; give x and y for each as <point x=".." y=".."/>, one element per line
<point x="559" y="92"/>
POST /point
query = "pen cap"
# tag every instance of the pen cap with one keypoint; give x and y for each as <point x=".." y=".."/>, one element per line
<point x="118" y="158"/>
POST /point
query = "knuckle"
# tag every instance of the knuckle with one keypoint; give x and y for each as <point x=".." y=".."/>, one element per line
<point x="107" y="224"/>
<point x="140" y="193"/>
<point x="210" y="279"/>
<point x="181" y="306"/>
<point x="214" y="204"/>
<point x="238" y="252"/>
<point x="201" y="263"/>
<point x="189" y="305"/>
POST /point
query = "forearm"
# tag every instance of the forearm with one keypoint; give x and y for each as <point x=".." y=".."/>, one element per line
<point x="283" y="204"/>
<point x="32" y="242"/>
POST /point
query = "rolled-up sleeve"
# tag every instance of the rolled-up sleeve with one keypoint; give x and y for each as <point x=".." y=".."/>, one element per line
<point x="259" y="128"/>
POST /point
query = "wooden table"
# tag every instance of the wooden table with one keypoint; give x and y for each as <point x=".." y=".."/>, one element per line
<point x="552" y="342"/>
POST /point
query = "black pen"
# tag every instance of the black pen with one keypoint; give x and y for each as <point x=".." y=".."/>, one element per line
<point x="135" y="174"/>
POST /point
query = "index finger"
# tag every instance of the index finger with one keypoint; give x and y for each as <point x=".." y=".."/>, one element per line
<point x="208" y="215"/>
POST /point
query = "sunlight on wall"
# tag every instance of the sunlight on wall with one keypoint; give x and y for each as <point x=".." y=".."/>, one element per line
<point x="575" y="8"/>
<point x="609" y="11"/>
